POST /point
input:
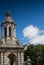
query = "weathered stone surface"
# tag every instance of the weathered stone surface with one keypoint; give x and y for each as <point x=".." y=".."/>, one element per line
<point x="11" y="51"/>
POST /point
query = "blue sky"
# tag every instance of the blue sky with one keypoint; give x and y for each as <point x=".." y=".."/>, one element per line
<point x="24" y="13"/>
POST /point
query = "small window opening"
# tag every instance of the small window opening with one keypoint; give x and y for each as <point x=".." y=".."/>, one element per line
<point x="5" y="31"/>
<point x="10" y="31"/>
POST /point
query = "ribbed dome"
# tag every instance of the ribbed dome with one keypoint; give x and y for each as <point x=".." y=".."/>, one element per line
<point x="8" y="17"/>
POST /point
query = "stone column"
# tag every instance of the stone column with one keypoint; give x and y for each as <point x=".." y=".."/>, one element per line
<point x="2" y="31"/>
<point x="5" y="59"/>
<point x="19" y="59"/>
<point x="1" y="58"/>
<point x="22" y="58"/>
<point x="7" y="32"/>
<point x="15" y="32"/>
<point x="16" y="58"/>
<point x="12" y="32"/>
<point x="8" y="61"/>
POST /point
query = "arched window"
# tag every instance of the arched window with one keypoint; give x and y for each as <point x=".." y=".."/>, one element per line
<point x="5" y="31"/>
<point x="10" y="31"/>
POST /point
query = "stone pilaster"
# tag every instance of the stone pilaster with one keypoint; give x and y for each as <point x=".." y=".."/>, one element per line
<point x="1" y="58"/>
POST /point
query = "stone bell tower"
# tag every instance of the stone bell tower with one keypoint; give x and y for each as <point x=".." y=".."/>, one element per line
<point x="11" y="50"/>
<point x="8" y="30"/>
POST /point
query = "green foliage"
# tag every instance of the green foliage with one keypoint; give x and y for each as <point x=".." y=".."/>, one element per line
<point x="35" y="53"/>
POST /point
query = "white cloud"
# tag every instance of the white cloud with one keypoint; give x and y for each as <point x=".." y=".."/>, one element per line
<point x="34" y="34"/>
<point x="30" y="31"/>
<point x="38" y="40"/>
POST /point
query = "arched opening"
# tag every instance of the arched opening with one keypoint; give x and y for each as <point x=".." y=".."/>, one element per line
<point x="5" y="31"/>
<point x="10" y="31"/>
<point x="12" y="58"/>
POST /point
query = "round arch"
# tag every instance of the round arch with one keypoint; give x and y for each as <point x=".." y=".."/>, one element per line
<point x="12" y="58"/>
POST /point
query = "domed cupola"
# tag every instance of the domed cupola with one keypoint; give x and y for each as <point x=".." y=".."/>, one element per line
<point x="8" y="18"/>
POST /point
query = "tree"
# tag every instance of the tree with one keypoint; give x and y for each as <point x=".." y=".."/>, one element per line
<point x="35" y="53"/>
